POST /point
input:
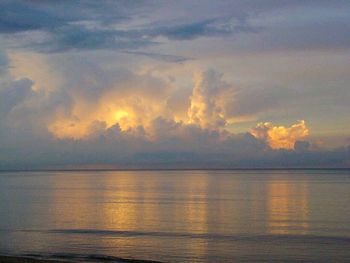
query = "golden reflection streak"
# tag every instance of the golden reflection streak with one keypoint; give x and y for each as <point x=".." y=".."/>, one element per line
<point x="131" y="203"/>
<point x="193" y="213"/>
<point x="288" y="208"/>
<point x="119" y="208"/>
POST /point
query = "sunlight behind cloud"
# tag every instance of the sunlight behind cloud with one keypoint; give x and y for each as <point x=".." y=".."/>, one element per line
<point x="124" y="119"/>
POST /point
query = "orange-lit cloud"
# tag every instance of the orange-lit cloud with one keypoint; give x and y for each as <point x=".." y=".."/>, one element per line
<point x="281" y="137"/>
<point x="130" y="103"/>
<point x="204" y="109"/>
<point x="137" y="103"/>
<point x="131" y="106"/>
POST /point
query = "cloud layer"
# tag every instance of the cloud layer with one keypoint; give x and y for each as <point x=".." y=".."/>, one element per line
<point x="124" y="126"/>
<point x="171" y="84"/>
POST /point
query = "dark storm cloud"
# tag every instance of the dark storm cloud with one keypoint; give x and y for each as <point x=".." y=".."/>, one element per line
<point x="73" y="37"/>
<point x="204" y="28"/>
<point x="16" y="16"/>
<point x="4" y="63"/>
<point x="161" y="57"/>
<point x="14" y="93"/>
<point x="121" y="150"/>
<point x="62" y="22"/>
<point x="89" y="25"/>
<point x="79" y="39"/>
<point x="22" y="15"/>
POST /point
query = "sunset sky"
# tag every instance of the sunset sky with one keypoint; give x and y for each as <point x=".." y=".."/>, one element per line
<point x="174" y="84"/>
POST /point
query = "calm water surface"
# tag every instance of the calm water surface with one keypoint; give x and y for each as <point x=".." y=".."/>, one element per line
<point x="178" y="216"/>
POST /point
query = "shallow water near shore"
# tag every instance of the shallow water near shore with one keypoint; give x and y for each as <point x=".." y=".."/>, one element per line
<point x="177" y="216"/>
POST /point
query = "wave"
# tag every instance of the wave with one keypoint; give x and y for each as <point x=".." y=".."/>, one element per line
<point x="238" y="237"/>
<point x="70" y="257"/>
<point x="89" y="257"/>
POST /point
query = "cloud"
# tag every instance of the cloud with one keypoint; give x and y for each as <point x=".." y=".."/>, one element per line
<point x="79" y="38"/>
<point x="67" y="25"/>
<point x="20" y="16"/>
<point x="319" y="27"/>
<point x="281" y="137"/>
<point x="13" y="93"/>
<point x="138" y="100"/>
<point x="87" y="26"/>
<point x="249" y="101"/>
<point x="186" y="146"/>
<point x="82" y="37"/>
<point x="127" y="119"/>
<point x="156" y="140"/>
<point x="208" y="100"/>
<point x="161" y="57"/>
<point x="63" y="26"/>
<point x="3" y="62"/>
<point x="128" y="99"/>
<point x="301" y="146"/>
<point x="16" y="16"/>
<point x="204" y="28"/>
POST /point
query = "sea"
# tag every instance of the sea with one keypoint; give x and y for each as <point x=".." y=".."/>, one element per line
<point x="177" y="215"/>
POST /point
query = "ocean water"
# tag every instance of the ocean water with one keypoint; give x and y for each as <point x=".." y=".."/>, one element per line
<point x="178" y="216"/>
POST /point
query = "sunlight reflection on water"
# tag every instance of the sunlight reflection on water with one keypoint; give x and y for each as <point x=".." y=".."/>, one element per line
<point x="178" y="216"/>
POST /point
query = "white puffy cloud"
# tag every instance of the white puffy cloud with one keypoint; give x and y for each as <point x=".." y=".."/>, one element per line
<point x="208" y="100"/>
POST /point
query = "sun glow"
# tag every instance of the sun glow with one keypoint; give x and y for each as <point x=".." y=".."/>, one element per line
<point x="121" y="114"/>
<point x="125" y="119"/>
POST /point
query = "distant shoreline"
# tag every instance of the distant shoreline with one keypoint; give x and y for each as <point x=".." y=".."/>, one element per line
<point x="32" y="259"/>
<point x="20" y="259"/>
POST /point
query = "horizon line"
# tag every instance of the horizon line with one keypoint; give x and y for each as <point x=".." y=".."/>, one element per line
<point x="172" y="169"/>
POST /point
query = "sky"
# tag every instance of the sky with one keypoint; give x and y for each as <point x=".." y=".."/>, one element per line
<point x="174" y="84"/>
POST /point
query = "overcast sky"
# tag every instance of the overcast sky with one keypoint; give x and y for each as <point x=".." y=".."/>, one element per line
<point x="173" y="84"/>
